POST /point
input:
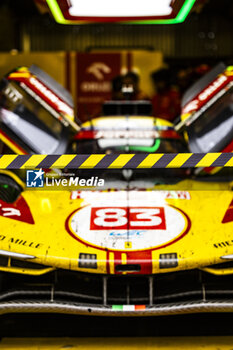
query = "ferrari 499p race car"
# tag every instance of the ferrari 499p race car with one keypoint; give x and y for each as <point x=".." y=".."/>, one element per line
<point x="114" y="241"/>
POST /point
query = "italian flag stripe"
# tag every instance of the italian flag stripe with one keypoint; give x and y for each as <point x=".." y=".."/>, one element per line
<point x="117" y="307"/>
<point x="140" y="307"/>
<point x="128" y="307"/>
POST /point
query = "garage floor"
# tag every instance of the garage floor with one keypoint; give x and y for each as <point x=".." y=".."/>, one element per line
<point x="198" y="343"/>
<point x="42" y="332"/>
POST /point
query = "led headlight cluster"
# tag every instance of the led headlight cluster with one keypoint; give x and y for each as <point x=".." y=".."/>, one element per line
<point x="87" y="261"/>
<point x="168" y="261"/>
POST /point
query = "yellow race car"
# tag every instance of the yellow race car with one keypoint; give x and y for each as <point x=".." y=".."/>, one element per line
<point x="111" y="241"/>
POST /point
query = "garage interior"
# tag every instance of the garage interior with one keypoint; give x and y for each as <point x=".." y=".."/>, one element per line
<point x="30" y="35"/>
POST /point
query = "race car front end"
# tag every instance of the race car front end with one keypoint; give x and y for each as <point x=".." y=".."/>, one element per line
<point x="126" y="251"/>
<point x="104" y="238"/>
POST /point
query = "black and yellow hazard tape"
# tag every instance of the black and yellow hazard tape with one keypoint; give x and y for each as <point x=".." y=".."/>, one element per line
<point x="117" y="161"/>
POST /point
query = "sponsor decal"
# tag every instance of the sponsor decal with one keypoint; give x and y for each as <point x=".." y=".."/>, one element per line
<point x="153" y="226"/>
<point x="161" y="194"/>
<point x="205" y="94"/>
<point x="223" y="244"/>
<point x="18" y="211"/>
<point x="98" y="69"/>
<point x="95" y="86"/>
<point x="191" y="106"/>
<point x="61" y="106"/>
<point x="41" y="101"/>
<point x="212" y="88"/>
<point x="126" y="134"/>
<point x="126" y="234"/>
<point x="177" y="195"/>
<point x="116" y="134"/>
<point x="21" y="242"/>
<point x="94" y="75"/>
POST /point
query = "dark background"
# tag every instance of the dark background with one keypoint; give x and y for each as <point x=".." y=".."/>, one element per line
<point x="206" y="33"/>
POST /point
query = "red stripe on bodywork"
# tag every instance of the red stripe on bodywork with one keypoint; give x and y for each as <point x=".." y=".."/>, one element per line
<point x="19" y="210"/>
<point x="117" y="261"/>
<point x="227" y="149"/>
<point x="228" y="217"/>
<point x="143" y="258"/>
<point x="163" y="134"/>
<point x="13" y="142"/>
<point x="107" y="263"/>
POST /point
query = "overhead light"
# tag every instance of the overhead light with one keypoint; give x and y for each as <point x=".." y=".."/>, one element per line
<point x="126" y="11"/>
<point x="119" y="8"/>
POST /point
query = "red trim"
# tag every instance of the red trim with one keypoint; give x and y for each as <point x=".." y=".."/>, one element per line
<point x="90" y="134"/>
<point x="107" y="262"/>
<point x="196" y="103"/>
<point x="227" y="149"/>
<point x="228" y="217"/>
<point x="142" y="258"/>
<point x="14" y="143"/>
<point x="117" y="261"/>
<point x="11" y="209"/>
<point x="59" y="105"/>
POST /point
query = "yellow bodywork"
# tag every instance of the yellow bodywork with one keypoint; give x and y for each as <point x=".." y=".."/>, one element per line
<point x="198" y="208"/>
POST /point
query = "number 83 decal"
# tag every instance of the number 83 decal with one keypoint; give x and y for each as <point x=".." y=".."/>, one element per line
<point x="127" y="218"/>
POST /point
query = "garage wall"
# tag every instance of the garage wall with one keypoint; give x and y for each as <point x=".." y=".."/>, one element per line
<point x="82" y="74"/>
<point x="205" y="37"/>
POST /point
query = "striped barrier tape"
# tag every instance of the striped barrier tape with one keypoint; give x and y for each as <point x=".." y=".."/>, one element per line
<point x="117" y="161"/>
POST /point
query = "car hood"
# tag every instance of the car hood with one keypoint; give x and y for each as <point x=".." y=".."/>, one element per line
<point x="119" y="232"/>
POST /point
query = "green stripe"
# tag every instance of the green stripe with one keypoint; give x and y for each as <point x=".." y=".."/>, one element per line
<point x="151" y="149"/>
<point x="146" y="149"/>
<point x="117" y="307"/>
